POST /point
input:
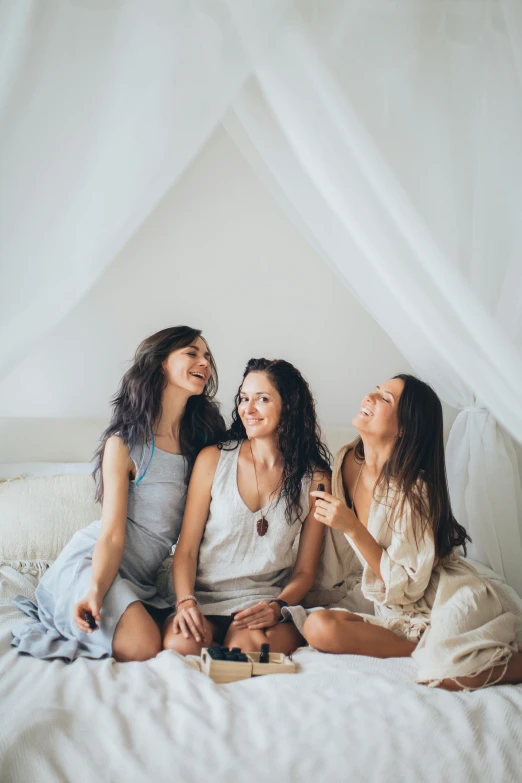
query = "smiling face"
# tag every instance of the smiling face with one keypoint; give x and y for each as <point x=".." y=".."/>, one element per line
<point x="189" y="368"/>
<point x="378" y="413"/>
<point x="259" y="406"/>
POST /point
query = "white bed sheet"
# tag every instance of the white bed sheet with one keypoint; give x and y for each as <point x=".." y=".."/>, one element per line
<point x="341" y="718"/>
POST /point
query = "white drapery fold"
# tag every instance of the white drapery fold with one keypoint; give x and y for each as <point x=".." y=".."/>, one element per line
<point x="102" y="106"/>
<point x="391" y="135"/>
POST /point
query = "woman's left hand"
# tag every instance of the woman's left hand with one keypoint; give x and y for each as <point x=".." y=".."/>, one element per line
<point x="334" y="512"/>
<point x="261" y="615"/>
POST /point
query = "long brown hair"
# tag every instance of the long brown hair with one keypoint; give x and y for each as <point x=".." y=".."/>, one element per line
<point x="137" y="403"/>
<point x="418" y="454"/>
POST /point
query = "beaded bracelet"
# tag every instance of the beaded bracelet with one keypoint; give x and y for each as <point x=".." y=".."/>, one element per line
<point x="186" y="598"/>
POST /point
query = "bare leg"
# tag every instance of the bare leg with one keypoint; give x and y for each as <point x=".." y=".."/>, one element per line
<point x="137" y="636"/>
<point x="283" y="638"/>
<point x="343" y="632"/>
<point x="177" y="642"/>
<point x="512" y="676"/>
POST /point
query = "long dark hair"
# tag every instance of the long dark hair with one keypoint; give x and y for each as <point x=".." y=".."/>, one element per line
<point x="418" y="453"/>
<point x="298" y="432"/>
<point x="137" y="403"/>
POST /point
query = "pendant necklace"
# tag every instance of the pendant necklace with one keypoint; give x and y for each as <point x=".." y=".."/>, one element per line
<point x="262" y="522"/>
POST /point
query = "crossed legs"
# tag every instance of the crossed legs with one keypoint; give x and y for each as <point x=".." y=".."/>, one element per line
<point x="138" y="638"/>
<point x="342" y="632"/>
<point x="283" y="637"/>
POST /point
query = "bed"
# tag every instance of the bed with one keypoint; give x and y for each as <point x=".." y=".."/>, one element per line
<point x="338" y="718"/>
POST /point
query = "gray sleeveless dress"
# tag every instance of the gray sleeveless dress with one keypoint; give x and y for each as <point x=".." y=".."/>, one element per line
<point x="154" y="516"/>
<point x="237" y="567"/>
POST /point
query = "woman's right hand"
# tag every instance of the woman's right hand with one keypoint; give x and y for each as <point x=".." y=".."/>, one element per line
<point x="189" y="621"/>
<point x="91" y="603"/>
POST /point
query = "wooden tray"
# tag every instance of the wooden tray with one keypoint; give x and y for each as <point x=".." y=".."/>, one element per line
<point x="224" y="671"/>
<point x="232" y="671"/>
<point x="278" y="663"/>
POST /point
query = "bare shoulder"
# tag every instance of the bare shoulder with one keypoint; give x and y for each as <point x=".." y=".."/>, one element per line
<point x="209" y="455"/>
<point x="115" y="444"/>
<point x="207" y="461"/>
<point x="116" y="453"/>
<point x="202" y="476"/>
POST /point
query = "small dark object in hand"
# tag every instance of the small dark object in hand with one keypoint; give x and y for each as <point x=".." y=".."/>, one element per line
<point x="89" y="619"/>
<point x="320" y="487"/>
<point x="264" y="655"/>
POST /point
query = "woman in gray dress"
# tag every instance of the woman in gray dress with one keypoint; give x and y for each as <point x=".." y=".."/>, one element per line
<point x="237" y="574"/>
<point x="97" y="597"/>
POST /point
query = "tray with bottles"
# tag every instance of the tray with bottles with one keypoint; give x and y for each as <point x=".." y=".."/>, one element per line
<point x="224" y="665"/>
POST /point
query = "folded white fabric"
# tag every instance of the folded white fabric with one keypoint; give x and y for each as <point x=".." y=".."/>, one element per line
<point x="38" y="516"/>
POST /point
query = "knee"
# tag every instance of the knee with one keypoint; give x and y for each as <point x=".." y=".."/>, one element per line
<point x="319" y="630"/>
<point x="178" y="643"/>
<point x="137" y="650"/>
<point x="172" y="641"/>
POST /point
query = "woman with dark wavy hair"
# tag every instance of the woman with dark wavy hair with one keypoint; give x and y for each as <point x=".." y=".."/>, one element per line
<point x="236" y="575"/>
<point x="390" y="498"/>
<point x="97" y="598"/>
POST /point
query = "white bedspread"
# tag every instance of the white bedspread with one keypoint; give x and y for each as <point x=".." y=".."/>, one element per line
<point x="341" y="718"/>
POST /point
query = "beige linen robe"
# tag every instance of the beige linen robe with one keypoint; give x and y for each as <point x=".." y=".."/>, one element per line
<point x="457" y="617"/>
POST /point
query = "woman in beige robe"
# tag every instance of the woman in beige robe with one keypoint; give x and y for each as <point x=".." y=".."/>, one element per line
<point x="390" y="499"/>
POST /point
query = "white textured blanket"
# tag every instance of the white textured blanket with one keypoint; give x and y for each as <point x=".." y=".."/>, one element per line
<point x="341" y="718"/>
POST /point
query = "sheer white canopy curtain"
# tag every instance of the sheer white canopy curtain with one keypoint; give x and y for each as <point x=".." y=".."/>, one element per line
<point x="392" y="135"/>
<point x="390" y="131"/>
<point x="103" y="103"/>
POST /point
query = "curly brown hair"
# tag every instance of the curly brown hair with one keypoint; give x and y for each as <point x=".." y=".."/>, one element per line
<point x="298" y="432"/>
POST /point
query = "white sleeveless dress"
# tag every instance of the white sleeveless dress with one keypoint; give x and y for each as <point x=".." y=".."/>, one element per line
<point x="237" y="568"/>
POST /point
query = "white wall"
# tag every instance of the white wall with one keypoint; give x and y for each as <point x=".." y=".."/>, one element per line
<point x="217" y="254"/>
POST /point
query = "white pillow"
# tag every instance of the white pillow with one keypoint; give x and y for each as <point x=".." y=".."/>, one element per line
<point x="38" y="516"/>
<point x="10" y="470"/>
